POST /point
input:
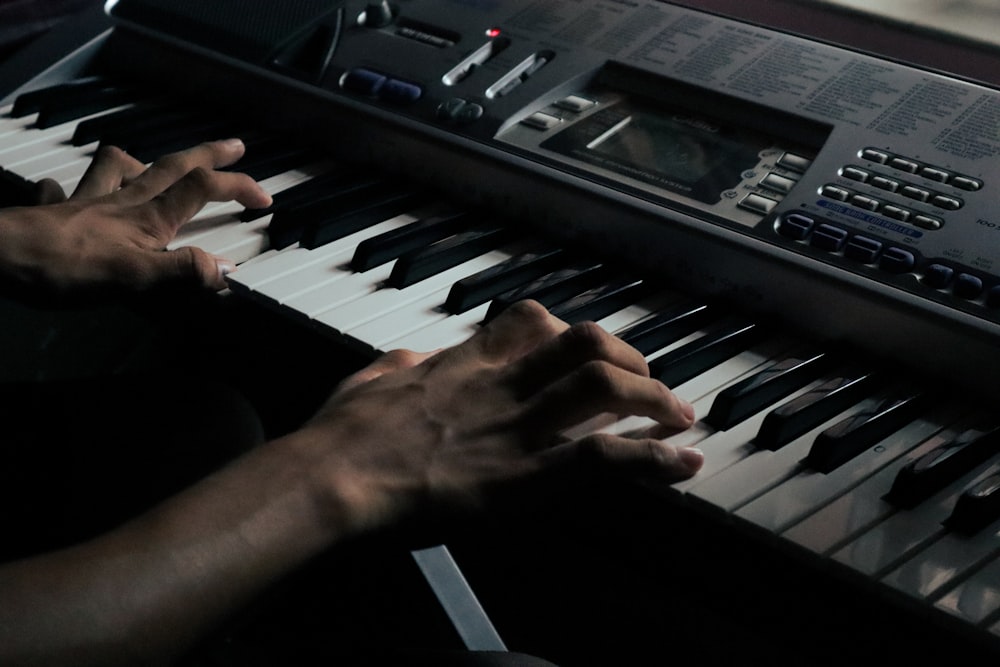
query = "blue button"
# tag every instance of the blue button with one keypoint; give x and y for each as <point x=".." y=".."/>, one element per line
<point x="363" y="81"/>
<point x="795" y="226"/>
<point x="897" y="260"/>
<point x="968" y="286"/>
<point x="828" y="237"/>
<point x="863" y="249"/>
<point x="400" y="92"/>
<point x="938" y="275"/>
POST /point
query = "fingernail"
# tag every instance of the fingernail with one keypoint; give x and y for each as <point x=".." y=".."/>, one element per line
<point x="233" y="144"/>
<point x="686" y="409"/>
<point x="691" y="457"/>
<point x="225" y="267"/>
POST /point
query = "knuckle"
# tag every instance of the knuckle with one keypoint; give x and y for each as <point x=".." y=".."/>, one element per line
<point x="598" y="377"/>
<point x="110" y="153"/>
<point x="528" y="311"/>
<point x="590" y="339"/>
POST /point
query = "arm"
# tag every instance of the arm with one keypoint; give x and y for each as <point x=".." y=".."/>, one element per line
<point x="410" y="435"/>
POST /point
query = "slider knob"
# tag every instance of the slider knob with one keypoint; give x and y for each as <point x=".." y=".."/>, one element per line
<point x="378" y="14"/>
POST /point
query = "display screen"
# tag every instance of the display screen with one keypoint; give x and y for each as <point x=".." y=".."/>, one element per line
<point x="672" y="150"/>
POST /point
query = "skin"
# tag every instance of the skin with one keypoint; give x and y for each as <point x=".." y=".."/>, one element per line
<point x="410" y="436"/>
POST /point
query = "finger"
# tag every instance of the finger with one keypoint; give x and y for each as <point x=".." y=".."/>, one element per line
<point x="182" y="201"/>
<point x="169" y="169"/>
<point x="390" y="362"/>
<point x="48" y="191"/>
<point x="108" y="171"/>
<point x="139" y="269"/>
<point x="574" y="347"/>
<point x="521" y="328"/>
<point x="599" y="387"/>
<point x="633" y="457"/>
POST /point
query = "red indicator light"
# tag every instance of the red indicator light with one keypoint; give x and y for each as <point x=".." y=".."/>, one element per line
<point x="493" y="32"/>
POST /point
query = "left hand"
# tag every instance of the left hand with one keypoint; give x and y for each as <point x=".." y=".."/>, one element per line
<point x="113" y="231"/>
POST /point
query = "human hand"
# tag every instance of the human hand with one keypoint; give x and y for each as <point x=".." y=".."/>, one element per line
<point x="448" y="431"/>
<point x="113" y="231"/>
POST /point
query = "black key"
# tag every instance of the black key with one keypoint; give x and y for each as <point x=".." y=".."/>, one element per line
<point x="145" y="117"/>
<point x="154" y="127"/>
<point x="33" y="101"/>
<point x="602" y="300"/>
<point x="392" y="244"/>
<point x="977" y="507"/>
<point x="314" y="189"/>
<point x="739" y="401"/>
<point x="679" y="320"/>
<point x="700" y="355"/>
<point x="417" y="265"/>
<point x="147" y="149"/>
<point x="271" y="156"/>
<point x="853" y="435"/>
<point x="805" y="412"/>
<point x="290" y="222"/>
<point x="552" y="288"/>
<point x="82" y="102"/>
<point x="487" y="284"/>
<point x="361" y="217"/>
<point x="923" y="477"/>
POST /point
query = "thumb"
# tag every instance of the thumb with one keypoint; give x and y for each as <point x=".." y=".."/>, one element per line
<point x="187" y="264"/>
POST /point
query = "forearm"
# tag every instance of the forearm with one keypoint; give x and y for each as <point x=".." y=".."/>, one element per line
<point x="151" y="587"/>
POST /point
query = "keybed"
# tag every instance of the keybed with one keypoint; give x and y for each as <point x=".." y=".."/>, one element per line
<point x="791" y="489"/>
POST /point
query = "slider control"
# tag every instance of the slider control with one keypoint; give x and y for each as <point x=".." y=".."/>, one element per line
<point x="519" y="74"/>
<point x="475" y="59"/>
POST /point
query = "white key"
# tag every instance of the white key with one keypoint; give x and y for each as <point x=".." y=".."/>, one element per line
<point x="976" y="598"/>
<point x="904" y="531"/>
<point x="849" y="515"/>
<point x="946" y="561"/>
<point x="809" y="490"/>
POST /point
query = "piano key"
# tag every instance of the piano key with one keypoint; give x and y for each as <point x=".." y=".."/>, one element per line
<point x="143" y="115"/>
<point x="946" y="463"/>
<point x="33" y="101"/>
<point x="865" y="506"/>
<point x="602" y="299"/>
<point x="834" y="395"/>
<point x="945" y="562"/>
<point x="483" y="286"/>
<point x="902" y="532"/>
<point x="288" y="223"/>
<point x="148" y="148"/>
<point x="269" y="157"/>
<point x="863" y="429"/>
<point x="564" y="283"/>
<point x="363" y="215"/>
<point x="682" y="319"/>
<point x="766" y="387"/>
<point x="645" y="309"/>
<point x="418" y="234"/>
<point x="978" y="506"/>
<point x="698" y="356"/>
<point x="809" y="490"/>
<point x="977" y="598"/>
<point x="321" y="185"/>
<point x="80" y="103"/>
<point x="419" y="265"/>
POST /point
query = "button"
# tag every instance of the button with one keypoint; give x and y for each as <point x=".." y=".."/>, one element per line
<point x="927" y="222"/>
<point x="363" y="81"/>
<point x="993" y="297"/>
<point x="864" y="202"/>
<point x="887" y="184"/>
<point x="457" y="110"/>
<point x="834" y="192"/>
<point x="400" y="92"/>
<point x="935" y="174"/>
<point x="966" y="183"/>
<point x="794" y="162"/>
<point x="795" y="226"/>
<point x="873" y="155"/>
<point x="897" y="260"/>
<point x="575" y="103"/>
<point x="896" y="213"/>
<point x="863" y="249"/>
<point x="903" y="164"/>
<point x="916" y="193"/>
<point x="469" y="113"/>
<point x="946" y="202"/>
<point x="758" y="204"/>
<point x="829" y="238"/>
<point x="855" y="174"/>
<point x="968" y="286"/>
<point x="541" y="121"/>
<point x="778" y="183"/>
<point x="938" y="275"/>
